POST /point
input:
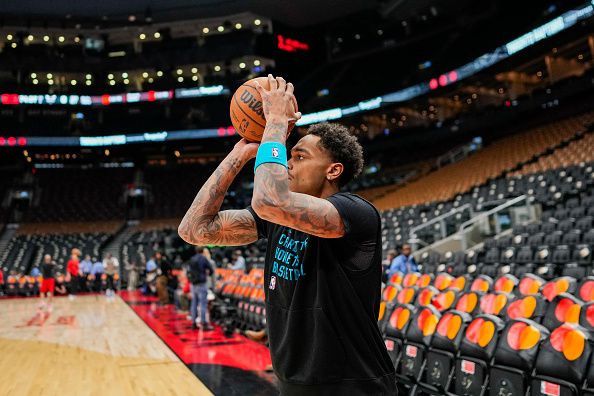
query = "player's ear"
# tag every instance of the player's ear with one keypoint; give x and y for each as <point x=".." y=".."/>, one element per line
<point x="334" y="171"/>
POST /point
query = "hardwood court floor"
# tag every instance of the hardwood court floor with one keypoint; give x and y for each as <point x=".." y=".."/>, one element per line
<point x="88" y="346"/>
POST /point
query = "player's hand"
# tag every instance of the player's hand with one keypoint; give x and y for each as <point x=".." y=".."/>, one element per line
<point x="246" y="150"/>
<point x="277" y="102"/>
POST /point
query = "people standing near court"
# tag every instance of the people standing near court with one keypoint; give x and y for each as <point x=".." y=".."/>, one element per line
<point x="163" y="278"/>
<point x="73" y="269"/>
<point x="199" y="270"/>
<point x="85" y="269"/>
<point x="46" y="292"/>
<point x="96" y="273"/>
<point x="404" y="263"/>
<point x="110" y="265"/>
<point x="133" y="275"/>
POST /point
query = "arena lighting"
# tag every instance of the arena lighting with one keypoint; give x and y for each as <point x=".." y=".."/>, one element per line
<point x="549" y="29"/>
<point x="568" y="19"/>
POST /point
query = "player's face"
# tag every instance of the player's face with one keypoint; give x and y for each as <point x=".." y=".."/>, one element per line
<point x="308" y="166"/>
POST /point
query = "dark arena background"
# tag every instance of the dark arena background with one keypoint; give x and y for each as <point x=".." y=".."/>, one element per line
<point x="476" y="120"/>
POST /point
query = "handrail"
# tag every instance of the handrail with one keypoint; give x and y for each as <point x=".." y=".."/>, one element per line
<point x="440" y="218"/>
<point x="490" y="212"/>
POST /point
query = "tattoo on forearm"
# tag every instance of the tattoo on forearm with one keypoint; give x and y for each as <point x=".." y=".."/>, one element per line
<point x="279" y="205"/>
<point x="204" y="224"/>
<point x="275" y="132"/>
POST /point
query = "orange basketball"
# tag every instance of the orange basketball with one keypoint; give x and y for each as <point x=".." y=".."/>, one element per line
<point x="247" y="114"/>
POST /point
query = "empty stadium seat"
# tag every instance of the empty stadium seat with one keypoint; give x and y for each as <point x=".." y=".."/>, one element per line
<point x="515" y="357"/>
<point x="564" y="308"/>
<point x="562" y="362"/>
<point x="477" y="348"/>
<point x="396" y="328"/>
<point x="438" y="375"/>
<point x="418" y="339"/>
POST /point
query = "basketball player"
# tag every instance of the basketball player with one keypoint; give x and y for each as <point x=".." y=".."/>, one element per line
<point x="323" y="262"/>
<point x="48" y="283"/>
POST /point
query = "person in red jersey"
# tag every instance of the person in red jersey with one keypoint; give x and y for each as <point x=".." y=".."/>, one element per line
<point x="73" y="270"/>
<point x="48" y="268"/>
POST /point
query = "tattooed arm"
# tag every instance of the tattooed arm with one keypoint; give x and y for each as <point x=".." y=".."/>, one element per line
<point x="203" y="224"/>
<point x="272" y="200"/>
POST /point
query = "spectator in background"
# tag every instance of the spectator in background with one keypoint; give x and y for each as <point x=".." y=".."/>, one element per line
<point x="96" y="273"/>
<point x="164" y="278"/>
<point x="85" y="269"/>
<point x="110" y="265"/>
<point x="72" y="268"/>
<point x="198" y="273"/>
<point x="60" y="286"/>
<point x="132" y="269"/>
<point x="35" y="272"/>
<point x="238" y="261"/>
<point x="387" y="263"/>
<point x="1" y="282"/>
<point x="151" y="276"/>
<point x="182" y="296"/>
<point x="48" y="268"/>
<point x="404" y="263"/>
<point x="212" y="278"/>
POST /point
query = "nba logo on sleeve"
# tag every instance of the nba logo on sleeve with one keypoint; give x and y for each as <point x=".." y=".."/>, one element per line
<point x="275" y="152"/>
<point x="272" y="283"/>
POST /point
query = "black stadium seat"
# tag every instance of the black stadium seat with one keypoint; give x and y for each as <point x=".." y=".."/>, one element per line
<point x="396" y="327"/>
<point x="445" y="344"/>
<point x="565" y="308"/>
<point x="418" y="339"/>
<point x="515" y="357"/>
<point x="561" y="364"/>
<point x="476" y="351"/>
<point x="571" y="238"/>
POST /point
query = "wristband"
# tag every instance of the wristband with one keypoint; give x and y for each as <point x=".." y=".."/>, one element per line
<point x="271" y="152"/>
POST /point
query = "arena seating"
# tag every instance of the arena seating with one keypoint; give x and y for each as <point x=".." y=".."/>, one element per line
<point x="77" y="195"/>
<point x="504" y="339"/>
<point x="147" y="240"/>
<point x="241" y="299"/>
<point x="549" y="188"/>
<point x="27" y="248"/>
<point x="490" y="162"/>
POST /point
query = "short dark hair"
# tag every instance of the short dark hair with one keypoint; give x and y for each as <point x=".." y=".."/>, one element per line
<point x="342" y="146"/>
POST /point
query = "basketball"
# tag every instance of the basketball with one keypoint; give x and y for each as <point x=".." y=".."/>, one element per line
<point x="247" y="113"/>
